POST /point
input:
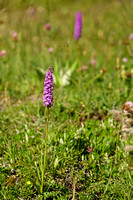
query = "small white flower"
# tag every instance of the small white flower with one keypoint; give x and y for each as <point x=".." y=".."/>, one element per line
<point x="26" y="137"/>
<point x="61" y="141"/>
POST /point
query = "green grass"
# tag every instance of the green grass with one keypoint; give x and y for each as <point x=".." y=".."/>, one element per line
<point x="85" y="143"/>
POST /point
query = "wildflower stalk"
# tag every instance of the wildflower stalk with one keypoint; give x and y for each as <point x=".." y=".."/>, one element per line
<point x="118" y="71"/>
<point x="45" y="153"/>
<point x="6" y="93"/>
<point x="77" y="34"/>
<point x="129" y="51"/>
<point x="48" y="102"/>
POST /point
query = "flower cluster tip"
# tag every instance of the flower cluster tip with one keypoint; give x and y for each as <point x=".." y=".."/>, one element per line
<point x="48" y="89"/>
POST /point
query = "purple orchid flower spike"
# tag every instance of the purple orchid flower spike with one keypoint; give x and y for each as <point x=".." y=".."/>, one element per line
<point x="78" y="26"/>
<point x="48" y="89"/>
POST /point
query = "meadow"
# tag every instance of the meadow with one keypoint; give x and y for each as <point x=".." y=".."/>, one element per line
<point x="90" y="132"/>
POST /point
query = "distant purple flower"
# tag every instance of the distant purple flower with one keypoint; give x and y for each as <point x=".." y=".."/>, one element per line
<point x="125" y="60"/>
<point x="50" y="50"/>
<point x="131" y="36"/>
<point x="48" y="26"/>
<point x="120" y="89"/>
<point x="14" y="35"/>
<point x="84" y="68"/>
<point x="93" y="62"/>
<point x="3" y="53"/>
<point x="48" y="89"/>
<point x="31" y="11"/>
<point x="78" y="26"/>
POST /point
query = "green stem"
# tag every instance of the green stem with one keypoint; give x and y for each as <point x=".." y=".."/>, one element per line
<point x="45" y="153"/>
<point x="130" y="51"/>
<point x="95" y="78"/>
